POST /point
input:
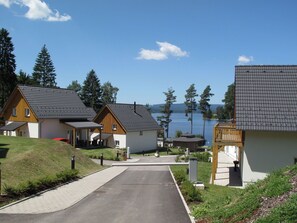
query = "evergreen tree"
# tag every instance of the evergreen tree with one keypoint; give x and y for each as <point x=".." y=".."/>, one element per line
<point x="229" y="101"/>
<point x="24" y="79"/>
<point x="91" y="91"/>
<point x="166" y="110"/>
<point x="204" y="105"/>
<point x="148" y="107"/>
<point x="75" y="86"/>
<point x="8" y="79"/>
<point x="44" y="70"/>
<point x="109" y="93"/>
<point x="191" y="104"/>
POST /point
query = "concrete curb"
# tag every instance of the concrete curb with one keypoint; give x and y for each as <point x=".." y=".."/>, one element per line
<point x="182" y="198"/>
<point x="149" y="164"/>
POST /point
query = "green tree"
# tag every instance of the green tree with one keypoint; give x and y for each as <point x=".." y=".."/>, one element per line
<point x="191" y="104"/>
<point x="91" y="91"/>
<point x="166" y="110"/>
<point x="109" y="93"/>
<point x="204" y="106"/>
<point x="229" y="101"/>
<point x="24" y="79"/>
<point x="221" y="115"/>
<point x="75" y="86"/>
<point x="44" y="70"/>
<point x="8" y="79"/>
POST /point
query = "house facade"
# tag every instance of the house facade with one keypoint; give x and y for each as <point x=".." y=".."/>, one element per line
<point x="38" y="112"/>
<point x="127" y="125"/>
<point x="266" y="111"/>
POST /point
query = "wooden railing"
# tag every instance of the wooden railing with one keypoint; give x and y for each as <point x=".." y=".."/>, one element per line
<point x="227" y="134"/>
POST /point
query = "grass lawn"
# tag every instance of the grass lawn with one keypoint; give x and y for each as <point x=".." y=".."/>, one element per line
<point x="26" y="159"/>
<point x="108" y="153"/>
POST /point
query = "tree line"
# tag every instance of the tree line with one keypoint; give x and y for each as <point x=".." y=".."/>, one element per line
<point x="92" y="93"/>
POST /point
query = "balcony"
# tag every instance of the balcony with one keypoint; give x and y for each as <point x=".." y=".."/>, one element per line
<point x="226" y="134"/>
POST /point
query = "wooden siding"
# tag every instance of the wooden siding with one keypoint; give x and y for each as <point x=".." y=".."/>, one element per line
<point x="20" y="104"/>
<point x="107" y="119"/>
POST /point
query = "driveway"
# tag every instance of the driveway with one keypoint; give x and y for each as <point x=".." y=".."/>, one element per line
<point x="140" y="194"/>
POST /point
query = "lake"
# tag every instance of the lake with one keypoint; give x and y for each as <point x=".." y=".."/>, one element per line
<point x="180" y="122"/>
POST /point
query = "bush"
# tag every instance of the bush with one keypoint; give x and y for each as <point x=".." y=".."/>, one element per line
<point x="34" y="186"/>
<point x="190" y="193"/>
<point x="202" y="156"/>
<point x="180" y="176"/>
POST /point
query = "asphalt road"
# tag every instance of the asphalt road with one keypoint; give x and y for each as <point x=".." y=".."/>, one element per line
<point x="140" y="194"/>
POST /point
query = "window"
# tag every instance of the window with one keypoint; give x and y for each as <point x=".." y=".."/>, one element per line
<point x="117" y="143"/>
<point x="114" y="127"/>
<point x="14" y="112"/>
<point x="141" y="133"/>
<point x="27" y="112"/>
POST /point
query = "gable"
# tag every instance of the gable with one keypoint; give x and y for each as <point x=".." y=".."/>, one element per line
<point x="108" y="120"/>
<point x="265" y="98"/>
<point x="18" y="103"/>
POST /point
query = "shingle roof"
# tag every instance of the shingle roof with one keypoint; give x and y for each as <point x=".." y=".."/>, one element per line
<point x="266" y="97"/>
<point x="56" y="103"/>
<point x="141" y="120"/>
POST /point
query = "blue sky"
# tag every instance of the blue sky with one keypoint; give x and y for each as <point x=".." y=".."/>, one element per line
<point x="144" y="47"/>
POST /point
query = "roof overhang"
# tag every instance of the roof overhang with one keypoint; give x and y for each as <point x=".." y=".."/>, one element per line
<point x="83" y="125"/>
<point x="12" y="126"/>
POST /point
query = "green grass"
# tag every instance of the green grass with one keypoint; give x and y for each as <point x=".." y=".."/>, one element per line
<point x="108" y="153"/>
<point x="25" y="159"/>
<point x="162" y="152"/>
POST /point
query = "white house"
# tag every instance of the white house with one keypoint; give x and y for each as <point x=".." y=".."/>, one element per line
<point x="38" y="112"/>
<point x="127" y="125"/>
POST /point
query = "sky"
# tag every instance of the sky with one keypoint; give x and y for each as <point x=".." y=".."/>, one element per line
<point x="145" y="47"/>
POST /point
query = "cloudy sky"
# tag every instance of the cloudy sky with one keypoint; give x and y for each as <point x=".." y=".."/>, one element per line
<point x="145" y="47"/>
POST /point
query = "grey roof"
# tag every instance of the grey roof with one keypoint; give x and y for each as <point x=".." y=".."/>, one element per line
<point x="187" y="139"/>
<point x="12" y="126"/>
<point x="266" y="98"/>
<point x="83" y="125"/>
<point x="141" y="120"/>
<point x="56" y="103"/>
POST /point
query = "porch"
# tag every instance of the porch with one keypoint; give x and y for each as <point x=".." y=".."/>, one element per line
<point x="224" y="134"/>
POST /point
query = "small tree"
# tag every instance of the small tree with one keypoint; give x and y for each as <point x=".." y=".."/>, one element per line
<point x="8" y="79"/>
<point x="75" y="86"/>
<point x="166" y="110"/>
<point x="44" y="71"/>
<point x="204" y="106"/>
<point x="191" y="104"/>
<point x="109" y="93"/>
<point x="24" y="78"/>
<point x="229" y="101"/>
<point x="91" y="91"/>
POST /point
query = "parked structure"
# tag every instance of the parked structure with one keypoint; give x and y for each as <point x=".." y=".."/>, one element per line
<point x="127" y="125"/>
<point x="38" y="112"/>
<point x="188" y="141"/>
<point x="265" y="128"/>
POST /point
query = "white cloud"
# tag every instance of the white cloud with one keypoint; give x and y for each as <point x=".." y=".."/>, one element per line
<point x="38" y="10"/>
<point x="245" y="59"/>
<point x="165" y="50"/>
<point x="6" y="3"/>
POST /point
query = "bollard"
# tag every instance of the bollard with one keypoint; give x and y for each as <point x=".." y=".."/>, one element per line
<point x="193" y="164"/>
<point x="128" y="152"/>
<point x="118" y="155"/>
<point x="101" y="159"/>
<point x="73" y="162"/>
<point x="0" y="179"/>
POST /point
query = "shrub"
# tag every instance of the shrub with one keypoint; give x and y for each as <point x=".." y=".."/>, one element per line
<point x="202" y="156"/>
<point x="179" y="176"/>
<point x="190" y="193"/>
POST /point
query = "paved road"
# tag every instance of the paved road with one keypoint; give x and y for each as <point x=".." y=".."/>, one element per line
<point x="140" y="194"/>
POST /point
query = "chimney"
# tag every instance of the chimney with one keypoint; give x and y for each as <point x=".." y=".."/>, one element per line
<point x="135" y="106"/>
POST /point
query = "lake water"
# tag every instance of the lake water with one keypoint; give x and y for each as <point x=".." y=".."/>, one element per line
<point x="180" y="122"/>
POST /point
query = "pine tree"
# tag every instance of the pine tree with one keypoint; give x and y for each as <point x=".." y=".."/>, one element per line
<point x="229" y="101"/>
<point x="191" y="104"/>
<point x="44" y="70"/>
<point x="75" y="86"/>
<point x="91" y="91"/>
<point x="24" y="78"/>
<point x="166" y="110"/>
<point x="204" y="105"/>
<point x="8" y="79"/>
<point x="109" y="93"/>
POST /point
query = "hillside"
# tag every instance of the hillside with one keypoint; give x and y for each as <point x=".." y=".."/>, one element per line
<point x="273" y="199"/>
<point x="26" y="159"/>
<point x="179" y="108"/>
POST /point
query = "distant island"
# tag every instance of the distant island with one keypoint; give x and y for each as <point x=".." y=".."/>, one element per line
<point x="180" y="108"/>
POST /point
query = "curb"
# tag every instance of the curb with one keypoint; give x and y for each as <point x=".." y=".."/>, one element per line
<point x="182" y="197"/>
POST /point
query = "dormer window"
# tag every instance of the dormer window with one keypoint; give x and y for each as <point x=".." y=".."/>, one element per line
<point x="14" y="113"/>
<point x="114" y="127"/>
<point x="27" y="112"/>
